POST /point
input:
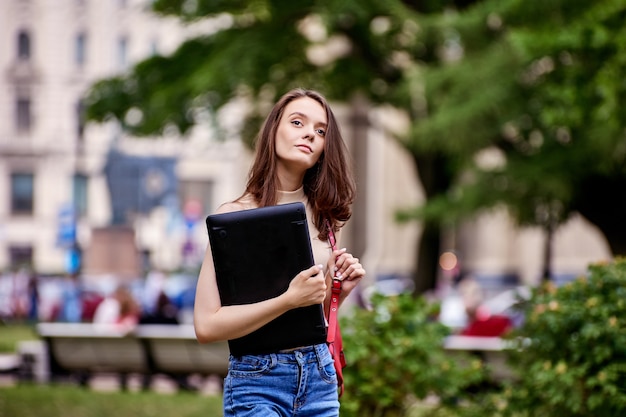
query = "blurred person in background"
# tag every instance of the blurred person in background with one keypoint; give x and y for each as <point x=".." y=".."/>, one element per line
<point x="480" y="321"/>
<point x="152" y="289"/>
<point x="71" y="300"/>
<point x="18" y="294"/>
<point x="33" y="298"/>
<point x="164" y="312"/>
<point x="119" y="309"/>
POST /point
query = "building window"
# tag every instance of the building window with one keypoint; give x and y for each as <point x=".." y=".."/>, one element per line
<point x="80" y="194"/>
<point x="80" y="50"/>
<point x="122" y="53"/>
<point x="23" y="45"/>
<point x="21" y="257"/>
<point x="80" y="121"/>
<point x="23" y="115"/>
<point x="22" y="193"/>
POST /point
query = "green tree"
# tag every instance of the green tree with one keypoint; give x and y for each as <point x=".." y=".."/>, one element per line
<point x="267" y="47"/>
<point x="540" y="86"/>
<point x="537" y="84"/>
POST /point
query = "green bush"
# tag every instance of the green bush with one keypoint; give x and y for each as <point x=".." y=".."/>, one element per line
<point x="395" y="356"/>
<point x="571" y="359"/>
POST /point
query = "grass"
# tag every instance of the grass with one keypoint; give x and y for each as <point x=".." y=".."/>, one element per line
<point x="30" y="400"/>
<point x="10" y="334"/>
<point x="26" y="400"/>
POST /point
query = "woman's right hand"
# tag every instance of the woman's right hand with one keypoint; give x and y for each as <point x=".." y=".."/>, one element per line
<point x="307" y="288"/>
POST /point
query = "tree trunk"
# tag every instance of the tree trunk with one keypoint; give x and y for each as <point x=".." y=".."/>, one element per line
<point x="546" y="275"/>
<point x="435" y="177"/>
<point x="359" y="125"/>
<point x="427" y="258"/>
<point x="602" y="201"/>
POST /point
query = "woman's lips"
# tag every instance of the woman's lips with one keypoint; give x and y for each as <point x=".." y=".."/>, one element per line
<point x="305" y="147"/>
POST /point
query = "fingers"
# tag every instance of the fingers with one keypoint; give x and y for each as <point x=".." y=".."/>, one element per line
<point x="314" y="270"/>
<point x="309" y="286"/>
<point x="347" y="267"/>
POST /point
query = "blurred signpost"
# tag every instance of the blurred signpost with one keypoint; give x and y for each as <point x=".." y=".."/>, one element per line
<point x="66" y="238"/>
<point x="66" y="234"/>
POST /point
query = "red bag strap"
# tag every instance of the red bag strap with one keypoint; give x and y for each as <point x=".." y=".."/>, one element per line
<point x="333" y="338"/>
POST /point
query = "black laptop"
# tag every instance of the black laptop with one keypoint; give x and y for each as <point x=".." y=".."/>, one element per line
<point x="256" y="254"/>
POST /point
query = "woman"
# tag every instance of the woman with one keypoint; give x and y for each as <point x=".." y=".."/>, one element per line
<point x="119" y="310"/>
<point x="300" y="156"/>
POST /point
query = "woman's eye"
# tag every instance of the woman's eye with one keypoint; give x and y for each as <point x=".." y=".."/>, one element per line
<point x="321" y="132"/>
<point x="297" y="122"/>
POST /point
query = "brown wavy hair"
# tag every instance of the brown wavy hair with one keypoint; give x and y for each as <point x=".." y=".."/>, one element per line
<point x="329" y="185"/>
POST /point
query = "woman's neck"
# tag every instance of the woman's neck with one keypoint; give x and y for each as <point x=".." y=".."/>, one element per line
<point x="289" y="181"/>
<point x="290" y="184"/>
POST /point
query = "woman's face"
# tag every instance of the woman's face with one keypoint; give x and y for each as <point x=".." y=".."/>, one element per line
<point x="300" y="135"/>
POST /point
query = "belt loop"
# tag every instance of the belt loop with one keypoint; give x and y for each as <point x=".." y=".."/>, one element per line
<point x="273" y="360"/>
<point x="318" y="352"/>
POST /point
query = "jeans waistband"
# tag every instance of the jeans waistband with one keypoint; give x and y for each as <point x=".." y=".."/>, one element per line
<point x="309" y="353"/>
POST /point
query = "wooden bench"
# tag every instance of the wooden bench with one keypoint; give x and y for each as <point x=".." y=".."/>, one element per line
<point x="174" y="349"/>
<point x="9" y="363"/>
<point x="82" y="349"/>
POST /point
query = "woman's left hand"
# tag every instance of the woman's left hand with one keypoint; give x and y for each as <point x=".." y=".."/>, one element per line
<point x="348" y="269"/>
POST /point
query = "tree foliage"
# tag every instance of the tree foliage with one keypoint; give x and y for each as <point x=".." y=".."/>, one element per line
<point x="265" y="47"/>
<point x="539" y="86"/>
<point x="511" y="102"/>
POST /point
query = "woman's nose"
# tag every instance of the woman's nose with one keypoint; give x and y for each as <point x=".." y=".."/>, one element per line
<point x="310" y="135"/>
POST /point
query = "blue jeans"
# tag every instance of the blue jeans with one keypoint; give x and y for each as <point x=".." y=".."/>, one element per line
<point x="298" y="383"/>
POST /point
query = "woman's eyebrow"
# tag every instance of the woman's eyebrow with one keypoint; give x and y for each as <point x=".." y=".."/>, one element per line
<point x="297" y="113"/>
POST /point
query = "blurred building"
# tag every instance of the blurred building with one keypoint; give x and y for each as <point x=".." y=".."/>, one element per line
<point x="72" y="192"/>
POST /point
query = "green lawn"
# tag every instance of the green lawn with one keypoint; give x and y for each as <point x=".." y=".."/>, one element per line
<point x="10" y="334"/>
<point x="70" y="401"/>
<point x="30" y="400"/>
